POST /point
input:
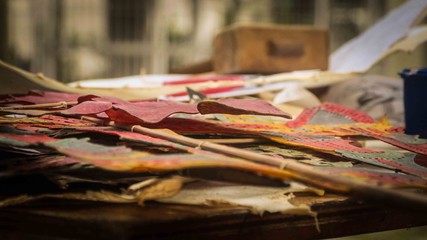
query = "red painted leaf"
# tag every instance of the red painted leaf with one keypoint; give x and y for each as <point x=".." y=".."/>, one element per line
<point x="21" y="140"/>
<point x="53" y="121"/>
<point x="28" y="112"/>
<point x="39" y="97"/>
<point x="84" y="108"/>
<point x="112" y="100"/>
<point x="87" y="108"/>
<point x="148" y="112"/>
<point x="241" y="106"/>
<point x="196" y="126"/>
<point x="328" y="113"/>
<point x="125" y="135"/>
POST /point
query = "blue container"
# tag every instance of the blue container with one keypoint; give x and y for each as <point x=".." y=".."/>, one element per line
<point x="415" y="101"/>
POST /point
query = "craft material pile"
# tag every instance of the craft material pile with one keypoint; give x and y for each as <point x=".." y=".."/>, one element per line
<point x="62" y="145"/>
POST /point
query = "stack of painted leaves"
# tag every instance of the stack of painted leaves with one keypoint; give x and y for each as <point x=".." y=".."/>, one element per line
<point x="103" y="148"/>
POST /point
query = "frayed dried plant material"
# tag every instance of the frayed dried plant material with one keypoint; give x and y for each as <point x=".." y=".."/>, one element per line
<point x="160" y="189"/>
<point x="97" y="196"/>
<point x="257" y="199"/>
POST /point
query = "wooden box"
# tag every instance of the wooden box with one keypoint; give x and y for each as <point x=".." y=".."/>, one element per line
<point x="270" y="48"/>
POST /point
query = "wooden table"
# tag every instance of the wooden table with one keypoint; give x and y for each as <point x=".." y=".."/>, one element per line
<point x="66" y="219"/>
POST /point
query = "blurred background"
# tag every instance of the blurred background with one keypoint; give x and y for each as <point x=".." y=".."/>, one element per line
<point x="72" y="40"/>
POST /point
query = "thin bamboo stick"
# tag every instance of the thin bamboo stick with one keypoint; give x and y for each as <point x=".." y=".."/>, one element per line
<point x="233" y="140"/>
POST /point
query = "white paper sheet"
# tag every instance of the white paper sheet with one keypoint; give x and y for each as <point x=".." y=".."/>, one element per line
<point x="362" y="52"/>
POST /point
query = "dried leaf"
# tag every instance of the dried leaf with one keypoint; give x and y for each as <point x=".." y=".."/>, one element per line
<point x="27" y="112"/>
<point x="40" y="97"/>
<point x="402" y="161"/>
<point x="307" y="156"/>
<point x="137" y="137"/>
<point x="148" y="112"/>
<point x="240" y="106"/>
<point x="316" y="142"/>
<point x="84" y="108"/>
<point x="163" y="188"/>
<point x="52" y="121"/>
<point x="388" y="159"/>
<point x="125" y="159"/>
<point x="87" y="108"/>
<point x="408" y="142"/>
<point x="386" y="179"/>
<point x="23" y="140"/>
<point x="257" y="199"/>
<point x="99" y="196"/>
<point x="46" y="121"/>
<point x="112" y="100"/>
<point x="329" y="113"/>
<point x="197" y="126"/>
<point x="38" y="164"/>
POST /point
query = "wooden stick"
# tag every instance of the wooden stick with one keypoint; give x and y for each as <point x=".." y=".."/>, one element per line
<point x="42" y="105"/>
<point x="232" y="140"/>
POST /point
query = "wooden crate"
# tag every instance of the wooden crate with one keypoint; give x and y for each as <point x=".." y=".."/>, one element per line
<point x="270" y="48"/>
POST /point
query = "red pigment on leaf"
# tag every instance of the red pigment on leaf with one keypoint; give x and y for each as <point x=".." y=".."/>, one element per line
<point x="148" y="112"/>
<point x="241" y="106"/>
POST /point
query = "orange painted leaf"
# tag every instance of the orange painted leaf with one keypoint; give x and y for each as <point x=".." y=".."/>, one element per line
<point x="387" y="179"/>
<point x="22" y="140"/>
<point x="125" y="159"/>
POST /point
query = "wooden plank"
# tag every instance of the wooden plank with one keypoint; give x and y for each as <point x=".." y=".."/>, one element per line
<point x="77" y="219"/>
